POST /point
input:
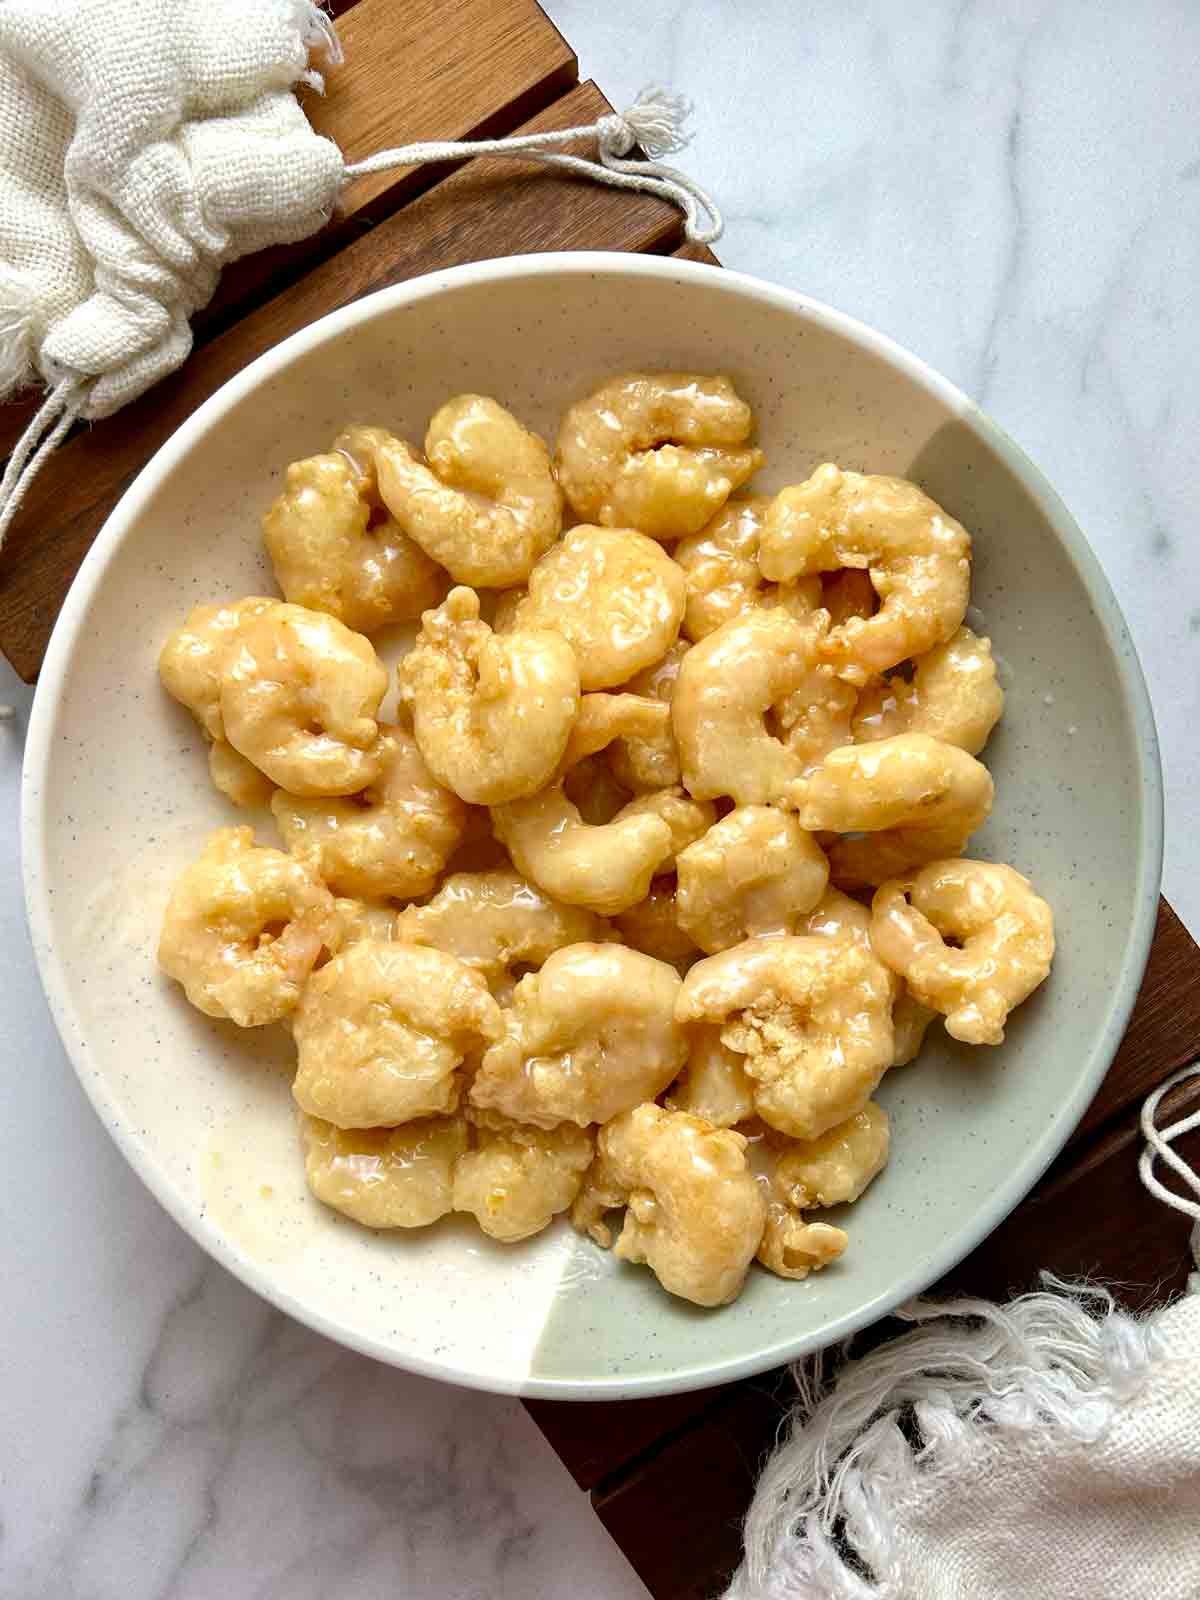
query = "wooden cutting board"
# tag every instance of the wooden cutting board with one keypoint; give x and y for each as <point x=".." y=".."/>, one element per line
<point x="670" y="1478"/>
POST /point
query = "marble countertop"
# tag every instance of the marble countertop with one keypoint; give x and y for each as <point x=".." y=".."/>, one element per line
<point x="1011" y="190"/>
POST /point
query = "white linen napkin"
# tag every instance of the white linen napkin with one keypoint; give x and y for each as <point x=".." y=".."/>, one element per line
<point x="1044" y="1450"/>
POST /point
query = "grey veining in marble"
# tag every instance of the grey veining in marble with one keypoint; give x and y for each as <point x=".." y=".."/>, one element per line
<point x="1011" y="189"/>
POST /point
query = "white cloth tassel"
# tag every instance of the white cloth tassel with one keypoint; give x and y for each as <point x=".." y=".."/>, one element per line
<point x="41" y="438"/>
<point x="1049" y="1447"/>
<point x="654" y="121"/>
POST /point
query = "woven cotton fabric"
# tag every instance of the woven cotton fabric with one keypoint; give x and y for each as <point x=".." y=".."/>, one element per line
<point x="1047" y="1450"/>
<point x="143" y="146"/>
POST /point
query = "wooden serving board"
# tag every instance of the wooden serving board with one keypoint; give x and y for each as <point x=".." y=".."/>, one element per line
<point x="670" y="1478"/>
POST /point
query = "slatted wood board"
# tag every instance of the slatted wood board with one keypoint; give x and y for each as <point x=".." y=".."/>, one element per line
<point x="670" y="1478"/>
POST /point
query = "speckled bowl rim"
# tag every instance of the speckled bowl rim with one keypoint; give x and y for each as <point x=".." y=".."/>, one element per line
<point x="596" y="264"/>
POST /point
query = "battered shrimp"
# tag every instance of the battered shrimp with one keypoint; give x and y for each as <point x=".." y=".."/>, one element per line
<point x="689" y="820"/>
<point x="491" y="713"/>
<point x="604" y="718"/>
<point x="389" y="842"/>
<point x="643" y="762"/>
<point x="910" y="1020"/>
<point x="694" y="1214"/>
<point x="243" y="928"/>
<point x="813" y="1018"/>
<point x="791" y="1246"/>
<point x="487" y="505"/>
<point x="817" y="716"/>
<point x="658" y="451"/>
<point x="835" y="1169"/>
<point x="592" y="1034"/>
<point x="382" y="1030"/>
<point x="754" y="872"/>
<point x="918" y="559"/>
<point x="714" y="1084"/>
<point x="724" y="579"/>
<point x="193" y="658"/>
<point x="385" y="1177"/>
<point x="299" y="696"/>
<point x="607" y="868"/>
<point x="517" y="1179"/>
<point x="496" y="922"/>
<point x="728" y="685"/>
<point x="615" y="595"/>
<point x="953" y="696"/>
<point x="1005" y="934"/>
<point x="913" y="797"/>
<point x="355" y="920"/>
<point x="238" y="780"/>
<point x="334" y="549"/>
<point x="652" y="926"/>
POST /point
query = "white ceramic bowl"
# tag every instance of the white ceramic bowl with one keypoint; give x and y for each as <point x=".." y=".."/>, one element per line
<point x="117" y="799"/>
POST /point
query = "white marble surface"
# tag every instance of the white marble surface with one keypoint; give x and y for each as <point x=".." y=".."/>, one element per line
<point x="1012" y="190"/>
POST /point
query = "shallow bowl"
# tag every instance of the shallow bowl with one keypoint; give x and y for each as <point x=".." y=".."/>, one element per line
<point x="117" y="800"/>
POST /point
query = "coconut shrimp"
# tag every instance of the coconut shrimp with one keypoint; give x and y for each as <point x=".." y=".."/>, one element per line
<point x="728" y="685"/>
<point x="382" y="1031"/>
<point x="243" y="929"/>
<point x="487" y="505"/>
<point x="1005" y="942"/>
<point x="913" y="797"/>
<point x="660" y="452"/>
<point x="299" y="697"/>
<point x="592" y="1034"/>
<point x="917" y="556"/>
<point x="813" y="1018"/>
<point x="388" y="842"/>
<point x="192" y="661"/>
<point x="724" y="579"/>
<point x="491" y="713"/>
<point x="953" y="695"/>
<point x="497" y="922"/>
<point x="615" y="595"/>
<point x="694" y="1213"/>
<point x="335" y="549"/>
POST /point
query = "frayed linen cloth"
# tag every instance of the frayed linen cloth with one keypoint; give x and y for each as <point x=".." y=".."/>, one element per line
<point x="1048" y="1449"/>
<point x="147" y="144"/>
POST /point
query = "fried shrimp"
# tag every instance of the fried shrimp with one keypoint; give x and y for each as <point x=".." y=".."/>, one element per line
<point x="243" y="929"/>
<point x="487" y="504"/>
<point x="917" y="556"/>
<point x="657" y="451"/>
<point x="1005" y="942"/>
<point x="491" y="713"/>
<point x="335" y="549"/>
